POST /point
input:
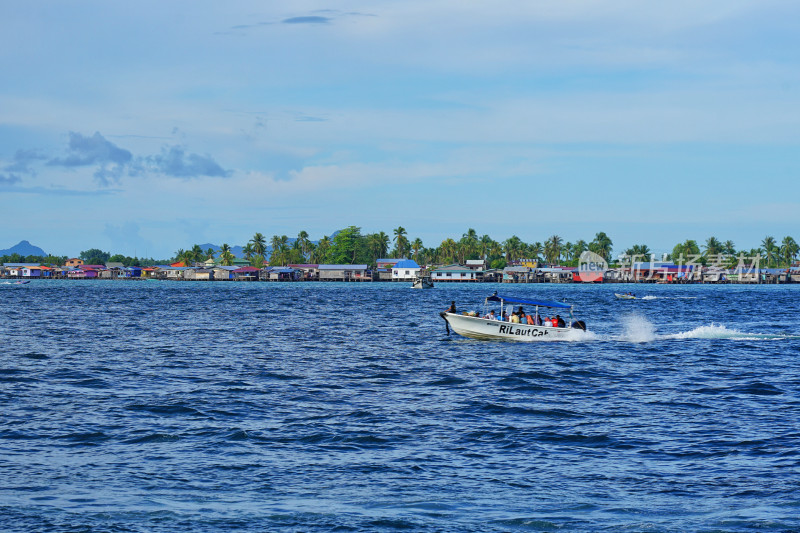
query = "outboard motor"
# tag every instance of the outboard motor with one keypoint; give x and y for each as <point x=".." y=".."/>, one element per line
<point x="579" y="324"/>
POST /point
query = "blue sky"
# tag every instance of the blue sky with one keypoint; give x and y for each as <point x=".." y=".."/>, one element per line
<point x="144" y="127"/>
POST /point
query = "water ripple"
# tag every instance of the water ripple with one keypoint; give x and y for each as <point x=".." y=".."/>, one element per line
<point x="202" y="407"/>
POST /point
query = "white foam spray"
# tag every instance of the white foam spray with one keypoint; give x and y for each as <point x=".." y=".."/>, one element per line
<point x="721" y="332"/>
<point x="637" y="328"/>
<point x="650" y="297"/>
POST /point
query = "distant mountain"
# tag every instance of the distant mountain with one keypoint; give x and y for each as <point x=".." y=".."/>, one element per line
<point x="24" y="248"/>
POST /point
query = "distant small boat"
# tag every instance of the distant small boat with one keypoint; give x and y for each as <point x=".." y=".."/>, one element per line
<point x="422" y="283"/>
<point x="625" y="296"/>
<point x="22" y="282"/>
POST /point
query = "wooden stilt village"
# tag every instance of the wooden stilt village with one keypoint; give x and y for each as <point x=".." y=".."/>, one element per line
<point x="406" y="270"/>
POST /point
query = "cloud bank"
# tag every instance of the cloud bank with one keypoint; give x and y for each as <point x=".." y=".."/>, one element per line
<point x="111" y="163"/>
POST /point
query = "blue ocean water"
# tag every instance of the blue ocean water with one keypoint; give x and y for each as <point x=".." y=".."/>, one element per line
<point x="168" y="406"/>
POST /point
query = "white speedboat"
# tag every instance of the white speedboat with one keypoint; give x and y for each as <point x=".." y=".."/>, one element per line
<point x="627" y="296"/>
<point x="422" y="283"/>
<point x="486" y="328"/>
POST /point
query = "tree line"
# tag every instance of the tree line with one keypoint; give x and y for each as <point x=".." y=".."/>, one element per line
<point x="351" y="246"/>
<point x="772" y="253"/>
<point x="92" y="256"/>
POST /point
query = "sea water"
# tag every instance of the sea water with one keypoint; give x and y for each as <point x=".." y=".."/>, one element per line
<point x="169" y="406"/>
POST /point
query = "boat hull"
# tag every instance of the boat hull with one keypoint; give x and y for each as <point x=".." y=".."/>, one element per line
<point x="422" y="284"/>
<point x="485" y="329"/>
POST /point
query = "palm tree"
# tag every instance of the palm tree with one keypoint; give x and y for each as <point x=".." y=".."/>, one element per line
<point x="578" y="248"/>
<point x="535" y="251"/>
<point x="567" y="252"/>
<point x="426" y="256"/>
<point x="401" y="243"/>
<point x="484" y="246"/>
<point x="770" y="249"/>
<point x="259" y="244"/>
<point x="210" y="253"/>
<point x="280" y="250"/>
<point x="378" y="245"/>
<point x="495" y="249"/>
<point x="312" y="248"/>
<point x="512" y="248"/>
<point x="789" y="250"/>
<point x="686" y="252"/>
<point x="274" y="243"/>
<point x="384" y="243"/>
<point x="429" y="255"/>
<point x="197" y="253"/>
<point x="225" y="255"/>
<point x="320" y="253"/>
<point x="601" y="245"/>
<point x="469" y="243"/>
<point x="248" y="251"/>
<point x="729" y="248"/>
<point x="416" y="246"/>
<point x="284" y="246"/>
<point x="303" y="242"/>
<point x="638" y="251"/>
<point x="713" y="248"/>
<point x="552" y="249"/>
<point x="448" y="251"/>
<point x="189" y="256"/>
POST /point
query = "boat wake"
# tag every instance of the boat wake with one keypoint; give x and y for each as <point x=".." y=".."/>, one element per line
<point x="721" y="332"/>
<point x="575" y="335"/>
<point x="637" y="329"/>
<point x="668" y="298"/>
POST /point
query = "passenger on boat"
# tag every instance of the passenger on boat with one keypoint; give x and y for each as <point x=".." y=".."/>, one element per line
<point x="514" y="318"/>
<point x="491" y="315"/>
<point x="530" y="320"/>
<point x="504" y="318"/>
<point x="560" y="322"/>
<point x="452" y="308"/>
<point x="547" y="323"/>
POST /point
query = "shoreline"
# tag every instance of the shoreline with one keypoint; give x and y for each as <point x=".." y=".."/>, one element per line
<point x="14" y="280"/>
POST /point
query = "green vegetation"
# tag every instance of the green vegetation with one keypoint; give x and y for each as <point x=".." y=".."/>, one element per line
<point x="350" y="246"/>
<point x="95" y="256"/>
<point x="716" y="252"/>
<point x="92" y="256"/>
<point x="40" y="259"/>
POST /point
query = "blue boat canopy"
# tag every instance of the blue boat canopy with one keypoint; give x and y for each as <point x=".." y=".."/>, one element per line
<point x="541" y="303"/>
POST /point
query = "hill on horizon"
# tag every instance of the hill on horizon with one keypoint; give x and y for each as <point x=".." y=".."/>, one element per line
<point x="24" y="248"/>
